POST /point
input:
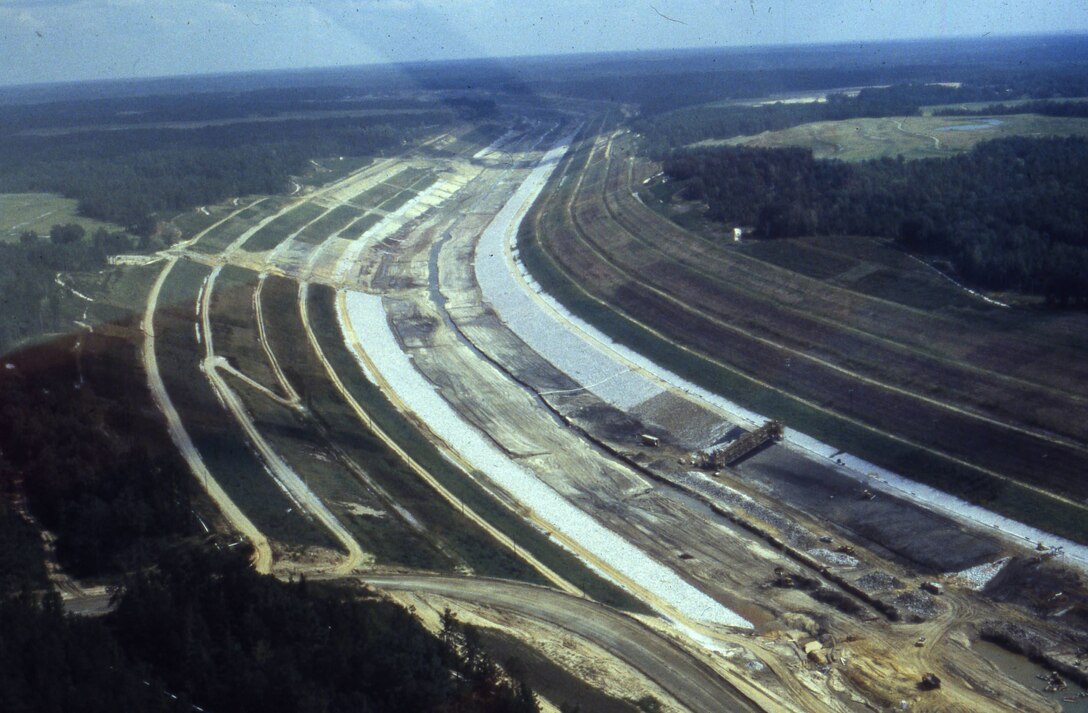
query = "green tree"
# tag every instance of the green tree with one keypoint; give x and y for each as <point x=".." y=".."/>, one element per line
<point x="66" y="234"/>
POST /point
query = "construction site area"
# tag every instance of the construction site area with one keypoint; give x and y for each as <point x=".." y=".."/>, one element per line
<point x="488" y="373"/>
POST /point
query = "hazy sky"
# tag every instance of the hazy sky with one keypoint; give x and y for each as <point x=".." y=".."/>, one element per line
<point x="58" y="40"/>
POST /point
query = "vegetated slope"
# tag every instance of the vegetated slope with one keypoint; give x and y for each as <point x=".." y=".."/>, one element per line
<point x="204" y="630"/>
<point x="933" y="395"/>
<point x="1008" y="214"/>
<point x="220" y="440"/>
<point x="419" y="529"/>
<point x="30" y="299"/>
<point x="87" y="448"/>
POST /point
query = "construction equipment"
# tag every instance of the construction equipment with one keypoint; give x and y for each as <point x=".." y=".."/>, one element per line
<point x="930" y="682"/>
<point x="783" y="579"/>
<point x="748" y="442"/>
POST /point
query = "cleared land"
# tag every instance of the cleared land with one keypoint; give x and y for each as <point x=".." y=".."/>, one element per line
<point x="283" y="227"/>
<point x="951" y="399"/>
<point x="220" y="441"/>
<point x="570" y="439"/>
<point x="38" y="212"/>
<point x="223" y="234"/>
<point x="909" y="136"/>
<point x="292" y="389"/>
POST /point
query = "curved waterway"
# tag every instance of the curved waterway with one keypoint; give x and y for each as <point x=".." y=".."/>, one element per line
<point x="367" y="316"/>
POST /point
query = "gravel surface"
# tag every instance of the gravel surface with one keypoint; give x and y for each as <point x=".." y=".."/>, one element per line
<point x="916" y="605"/>
<point x="572" y="345"/>
<point x="838" y="559"/>
<point x="878" y="582"/>
<point x="367" y="317"/>
<point x="613" y="382"/>
<point x="978" y="577"/>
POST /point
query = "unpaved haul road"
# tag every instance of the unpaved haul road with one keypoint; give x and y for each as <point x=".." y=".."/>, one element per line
<point x="284" y="475"/>
<point x="690" y="681"/>
<point x="237" y="519"/>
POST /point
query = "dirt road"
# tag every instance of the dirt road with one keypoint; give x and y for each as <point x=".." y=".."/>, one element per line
<point x="688" y="679"/>
<point x="238" y="520"/>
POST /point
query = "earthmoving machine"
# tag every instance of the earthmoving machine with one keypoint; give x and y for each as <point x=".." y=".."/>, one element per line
<point x="748" y="442"/>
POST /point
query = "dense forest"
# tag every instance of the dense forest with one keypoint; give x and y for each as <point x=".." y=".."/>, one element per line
<point x="989" y="69"/>
<point x="666" y="132"/>
<point x="201" y="631"/>
<point x="193" y="628"/>
<point x="30" y="299"/>
<point x="195" y="106"/>
<point x="1042" y="107"/>
<point x="1007" y="215"/>
<point x="83" y="442"/>
<point x="21" y="549"/>
<point x="132" y="177"/>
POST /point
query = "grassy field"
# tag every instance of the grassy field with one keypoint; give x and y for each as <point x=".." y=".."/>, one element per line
<point x="119" y="293"/>
<point x="327" y="170"/>
<point x="219" y="237"/>
<point x="397" y="200"/>
<point x="359" y="228"/>
<point x="374" y="197"/>
<point x="20" y="212"/>
<point x="193" y="221"/>
<point x="318" y="231"/>
<point x="409" y="176"/>
<point x="912" y="136"/>
<point x="234" y="324"/>
<point x="281" y="228"/>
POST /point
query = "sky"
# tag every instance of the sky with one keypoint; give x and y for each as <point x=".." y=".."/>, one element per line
<point x="70" y="40"/>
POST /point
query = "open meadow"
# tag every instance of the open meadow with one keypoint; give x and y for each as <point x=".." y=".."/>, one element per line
<point x="912" y="137"/>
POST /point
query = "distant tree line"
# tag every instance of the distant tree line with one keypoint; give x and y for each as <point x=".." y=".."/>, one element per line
<point x="987" y="71"/>
<point x="195" y="107"/>
<point x="202" y="630"/>
<point x="1008" y="215"/>
<point x="131" y="177"/>
<point x="666" y="132"/>
<point x="1041" y="107"/>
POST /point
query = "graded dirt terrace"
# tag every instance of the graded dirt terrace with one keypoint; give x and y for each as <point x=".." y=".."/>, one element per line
<point x="496" y="384"/>
<point x="976" y="399"/>
<point x="287" y="410"/>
